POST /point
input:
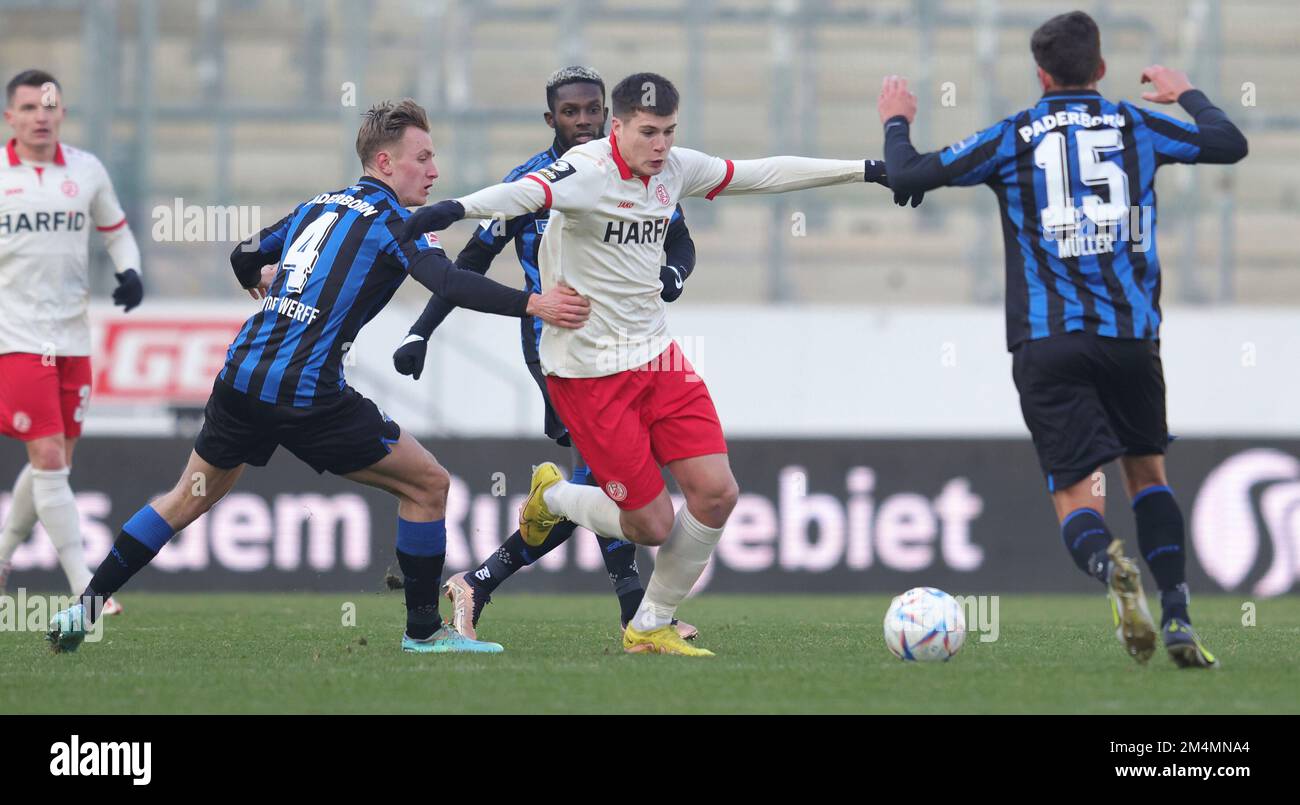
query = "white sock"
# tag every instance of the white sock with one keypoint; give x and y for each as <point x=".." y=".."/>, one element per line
<point x="22" y="516"/>
<point x="588" y="506"/>
<point x="57" y="508"/>
<point x="678" y="565"/>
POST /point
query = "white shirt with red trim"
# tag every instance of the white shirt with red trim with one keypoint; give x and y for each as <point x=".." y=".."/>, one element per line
<point x="46" y="212"/>
<point x="605" y="238"/>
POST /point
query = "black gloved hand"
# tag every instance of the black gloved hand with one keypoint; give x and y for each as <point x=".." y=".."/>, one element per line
<point x="874" y="172"/>
<point x="433" y="218"/>
<point x="129" y="291"/>
<point x="408" y="359"/>
<point x="672" y="281"/>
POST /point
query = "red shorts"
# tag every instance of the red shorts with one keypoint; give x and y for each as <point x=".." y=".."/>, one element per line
<point x="628" y="425"/>
<point x="42" y="397"/>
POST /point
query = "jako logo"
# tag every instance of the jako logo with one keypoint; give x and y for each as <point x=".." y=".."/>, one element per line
<point x="1225" y="528"/>
<point x="92" y="759"/>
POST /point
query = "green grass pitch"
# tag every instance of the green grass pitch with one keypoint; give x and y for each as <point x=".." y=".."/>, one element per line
<point x="291" y="653"/>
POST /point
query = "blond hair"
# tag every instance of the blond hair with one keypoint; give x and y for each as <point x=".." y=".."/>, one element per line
<point x="385" y="123"/>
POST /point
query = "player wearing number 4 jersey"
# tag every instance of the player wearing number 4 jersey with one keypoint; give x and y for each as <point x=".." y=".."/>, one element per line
<point x="340" y="261"/>
<point x="1075" y="179"/>
<point x="632" y="402"/>
<point x="51" y="195"/>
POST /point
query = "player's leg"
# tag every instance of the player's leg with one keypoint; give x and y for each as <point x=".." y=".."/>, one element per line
<point x="412" y="475"/>
<point x="1162" y="540"/>
<point x="46" y="402"/>
<point x="1135" y="400"/>
<point x="472" y="590"/>
<point x="199" y="488"/>
<point x="1161" y="530"/>
<point x="1057" y="379"/>
<point x="686" y="437"/>
<point x="620" y="563"/>
<point x="605" y="422"/>
<point x="619" y="556"/>
<point x="19" y="522"/>
<point x="21" y="517"/>
<point x="235" y="432"/>
<point x="711" y="492"/>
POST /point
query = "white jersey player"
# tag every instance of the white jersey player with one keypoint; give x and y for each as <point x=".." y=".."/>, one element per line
<point x="51" y="195"/>
<point x="631" y="400"/>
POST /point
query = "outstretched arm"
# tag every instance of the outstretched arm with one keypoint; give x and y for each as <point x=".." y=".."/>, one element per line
<point x="477" y="255"/>
<point x="968" y="162"/>
<point x="486" y="243"/>
<point x="424" y="259"/>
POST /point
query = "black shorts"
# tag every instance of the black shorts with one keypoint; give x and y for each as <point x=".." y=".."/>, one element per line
<point x="1088" y="400"/>
<point x="343" y="435"/>
<point x="555" y="429"/>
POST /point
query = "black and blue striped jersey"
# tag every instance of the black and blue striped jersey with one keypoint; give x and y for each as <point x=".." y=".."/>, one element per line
<point x="341" y="259"/>
<point x="492" y="237"/>
<point x="1075" y="180"/>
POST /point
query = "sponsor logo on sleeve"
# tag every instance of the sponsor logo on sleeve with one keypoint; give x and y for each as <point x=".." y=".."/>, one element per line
<point x="556" y="171"/>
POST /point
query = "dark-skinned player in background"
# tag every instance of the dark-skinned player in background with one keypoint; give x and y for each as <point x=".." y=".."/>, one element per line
<point x="1071" y="174"/>
<point x="576" y="111"/>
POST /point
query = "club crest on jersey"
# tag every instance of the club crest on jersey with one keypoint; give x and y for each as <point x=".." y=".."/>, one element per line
<point x="69" y="188"/>
<point x="661" y="193"/>
<point x="557" y="170"/>
<point x="616" y="491"/>
<point x="431" y="240"/>
<point x="540" y="224"/>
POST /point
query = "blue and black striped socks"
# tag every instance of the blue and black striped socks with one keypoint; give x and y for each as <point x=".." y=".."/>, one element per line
<point x="1087" y="538"/>
<point x="139" y="541"/>
<point x="421" y="552"/>
<point x="1162" y="538"/>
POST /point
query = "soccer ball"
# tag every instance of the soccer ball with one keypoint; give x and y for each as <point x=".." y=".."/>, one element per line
<point x="925" y="624"/>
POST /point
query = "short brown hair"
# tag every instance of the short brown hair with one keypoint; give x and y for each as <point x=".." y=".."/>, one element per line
<point x="30" y="78"/>
<point x="385" y="123"/>
<point x="644" y="92"/>
<point x="1068" y="48"/>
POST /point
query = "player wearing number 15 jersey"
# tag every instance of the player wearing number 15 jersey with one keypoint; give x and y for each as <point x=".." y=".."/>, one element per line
<point x="1075" y="180"/>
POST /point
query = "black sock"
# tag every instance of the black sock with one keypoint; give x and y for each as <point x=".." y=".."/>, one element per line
<point x="515" y="554"/>
<point x="1087" y="538"/>
<point x="422" y="576"/>
<point x="1162" y="539"/>
<point x="620" y="561"/>
<point x="127" y="557"/>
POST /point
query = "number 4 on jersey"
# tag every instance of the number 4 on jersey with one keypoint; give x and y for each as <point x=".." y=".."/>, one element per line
<point x="302" y="255"/>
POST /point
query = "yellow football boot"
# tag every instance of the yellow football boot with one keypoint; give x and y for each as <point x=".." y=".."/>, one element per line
<point x="664" y="640"/>
<point x="535" y="519"/>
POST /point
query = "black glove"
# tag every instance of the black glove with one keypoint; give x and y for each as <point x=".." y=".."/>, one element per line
<point x="874" y="172"/>
<point x="129" y="291"/>
<point x="433" y="218"/>
<point x="672" y="281"/>
<point x="408" y="359"/>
